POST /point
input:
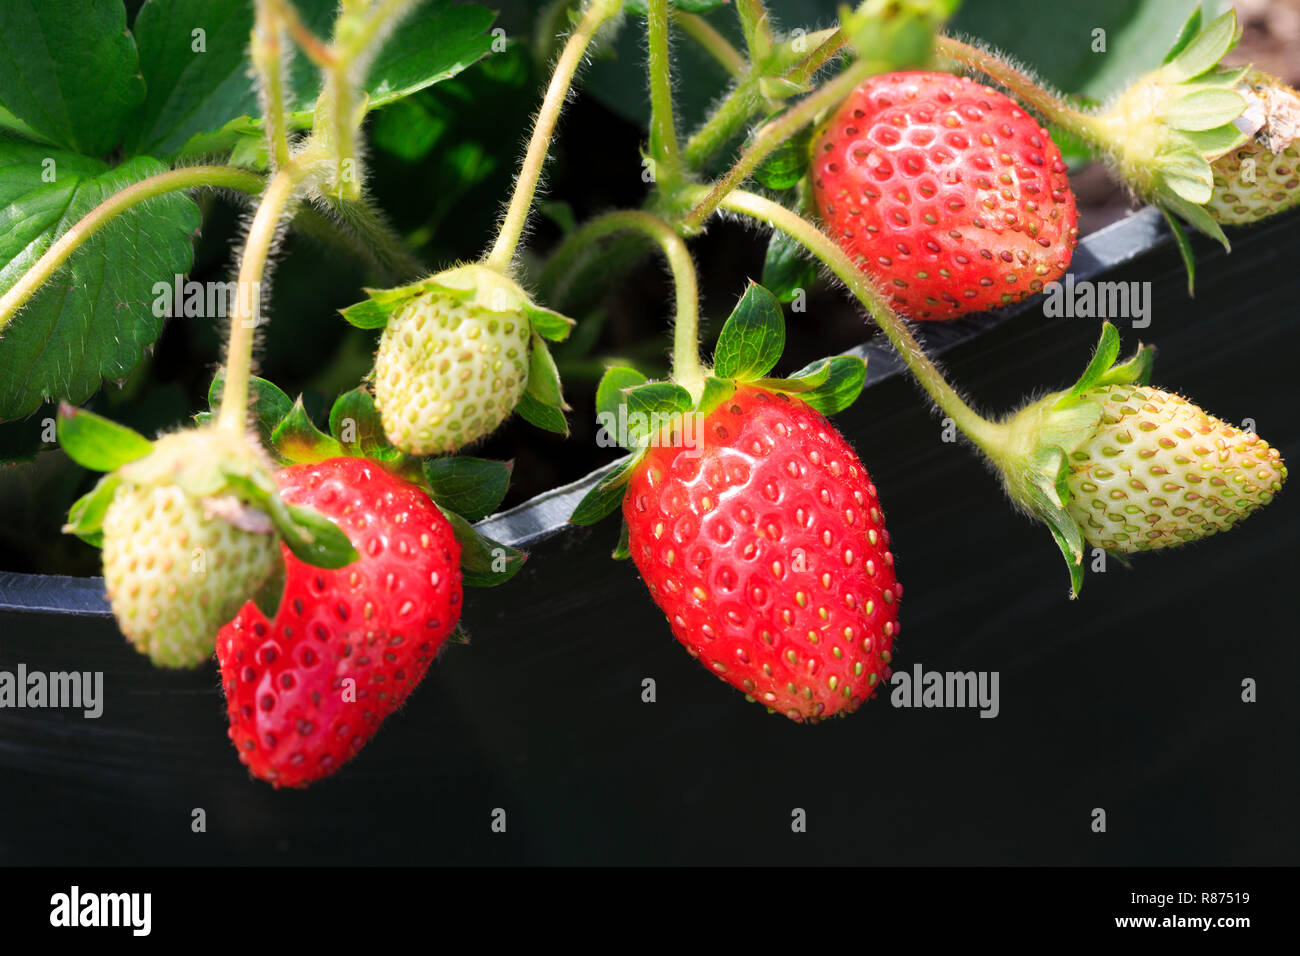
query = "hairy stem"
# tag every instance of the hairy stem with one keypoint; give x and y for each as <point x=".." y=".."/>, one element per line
<point x="757" y="27"/>
<point x="269" y="60"/>
<point x="687" y="370"/>
<point x="189" y="177"/>
<point x="1022" y="85"/>
<point x="986" y="435"/>
<point x="727" y="120"/>
<point x="598" y="12"/>
<point x="773" y="134"/>
<point x="663" y="128"/>
<point x="246" y="314"/>
<point x="712" y="42"/>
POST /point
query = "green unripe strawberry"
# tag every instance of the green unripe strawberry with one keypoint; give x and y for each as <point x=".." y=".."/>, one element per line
<point x="181" y="553"/>
<point x="1158" y="471"/>
<point x="1261" y="178"/>
<point x="451" y="367"/>
<point x="1114" y="463"/>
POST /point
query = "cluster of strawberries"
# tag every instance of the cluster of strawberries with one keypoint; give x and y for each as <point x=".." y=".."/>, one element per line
<point x="764" y="544"/>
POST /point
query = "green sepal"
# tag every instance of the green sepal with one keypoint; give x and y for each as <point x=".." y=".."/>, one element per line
<point x="609" y="393"/>
<point x="311" y="536"/>
<point x="1103" y="357"/>
<point x="829" y="385"/>
<point x="653" y="409"/>
<point x="267" y="403"/>
<point x="472" y="487"/>
<point x="543" y="376"/>
<point x="374" y="311"/>
<point x="1190" y="28"/>
<point x="1203" y="51"/>
<point x="548" y="323"/>
<point x="1202" y="109"/>
<point x="716" y="391"/>
<point x="1185" y="250"/>
<point x="297" y="439"/>
<point x="86" y="516"/>
<point x="753" y="337"/>
<point x="271" y="591"/>
<point x="356" y="426"/>
<point x="542" y="416"/>
<point x="621" y="550"/>
<point x="484" y="563"/>
<point x="1196" y="216"/>
<point x="366" y="314"/>
<point x="97" y="443"/>
<point x="607" y="494"/>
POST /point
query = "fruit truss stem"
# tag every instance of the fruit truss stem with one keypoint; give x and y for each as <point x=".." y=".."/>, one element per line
<point x="189" y="177"/>
<point x="598" y="12"/>
<point x="269" y="60"/>
<point x="245" y="316"/>
<point x="712" y="42"/>
<point x="987" y="436"/>
<point x="1022" y="85"/>
<point x="663" y="128"/>
<point x="773" y="134"/>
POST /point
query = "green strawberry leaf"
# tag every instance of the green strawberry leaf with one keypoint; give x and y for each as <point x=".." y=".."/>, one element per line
<point x="438" y="41"/>
<point x="787" y="267"/>
<point x="1206" y="50"/>
<point x="609" y="393"/>
<point x="484" y="563"/>
<point x="356" y="426"/>
<point x="70" y="71"/>
<point x="94" y="318"/>
<point x="194" y="60"/>
<point x="268" y="404"/>
<point x="549" y="323"/>
<point x="542" y="416"/>
<point x="94" y="442"/>
<point x="86" y="516"/>
<point x="607" y="494"/>
<point x="472" y="487"/>
<point x="297" y="439"/>
<point x="753" y="337"/>
<point x="544" y="377"/>
<point x="845" y="376"/>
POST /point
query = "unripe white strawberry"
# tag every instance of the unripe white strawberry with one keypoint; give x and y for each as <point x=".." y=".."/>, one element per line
<point x="1261" y="178"/>
<point x="453" y="361"/>
<point x="181" y="554"/>
<point x="1158" y="471"/>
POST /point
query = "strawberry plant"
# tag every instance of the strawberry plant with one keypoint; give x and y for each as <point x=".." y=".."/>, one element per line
<point x="326" y="568"/>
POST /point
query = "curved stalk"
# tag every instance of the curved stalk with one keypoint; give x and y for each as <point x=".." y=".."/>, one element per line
<point x="1022" y="85"/>
<point x="987" y="436"/>
<point x="711" y="41"/>
<point x="663" y="127"/>
<point x="244" y="318"/>
<point x="598" y="12"/>
<point x="189" y="177"/>
<point x="773" y="134"/>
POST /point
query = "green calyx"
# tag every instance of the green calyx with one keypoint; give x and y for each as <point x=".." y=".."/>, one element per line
<point x="1039" y="439"/>
<point x="1165" y="130"/>
<point x="637" y="414"/>
<point x="465" y="489"/>
<point x="227" y="473"/>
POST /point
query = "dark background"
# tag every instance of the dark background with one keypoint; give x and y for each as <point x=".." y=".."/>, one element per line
<point x="1128" y="699"/>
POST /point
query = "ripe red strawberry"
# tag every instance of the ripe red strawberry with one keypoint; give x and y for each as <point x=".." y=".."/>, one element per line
<point x="305" y="691"/>
<point x="766" y="548"/>
<point x="948" y="193"/>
